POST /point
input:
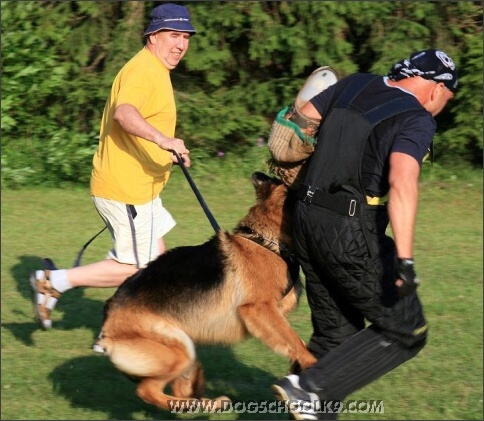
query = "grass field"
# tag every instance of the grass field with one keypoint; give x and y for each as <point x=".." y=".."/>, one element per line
<point x="54" y="375"/>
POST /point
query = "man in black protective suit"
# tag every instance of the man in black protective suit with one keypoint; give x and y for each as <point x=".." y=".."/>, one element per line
<point x="373" y="135"/>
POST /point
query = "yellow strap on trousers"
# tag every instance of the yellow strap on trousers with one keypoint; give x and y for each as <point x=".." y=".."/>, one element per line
<point x="375" y="201"/>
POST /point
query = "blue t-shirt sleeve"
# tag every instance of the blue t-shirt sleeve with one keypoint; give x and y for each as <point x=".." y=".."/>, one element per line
<point x="415" y="136"/>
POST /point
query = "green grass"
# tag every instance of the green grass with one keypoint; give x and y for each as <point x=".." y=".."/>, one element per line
<point x="55" y="375"/>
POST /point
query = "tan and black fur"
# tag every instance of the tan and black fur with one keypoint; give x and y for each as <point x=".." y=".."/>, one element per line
<point x="223" y="291"/>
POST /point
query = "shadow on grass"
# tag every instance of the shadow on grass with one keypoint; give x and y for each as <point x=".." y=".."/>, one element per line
<point x="92" y="383"/>
<point x="78" y="311"/>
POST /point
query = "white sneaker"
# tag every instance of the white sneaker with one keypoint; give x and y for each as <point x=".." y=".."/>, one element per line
<point x="302" y="405"/>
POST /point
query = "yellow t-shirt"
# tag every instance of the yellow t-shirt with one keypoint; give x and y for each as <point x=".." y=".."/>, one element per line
<point x="128" y="168"/>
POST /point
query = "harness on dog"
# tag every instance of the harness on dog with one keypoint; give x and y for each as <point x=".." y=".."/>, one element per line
<point x="282" y="250"/>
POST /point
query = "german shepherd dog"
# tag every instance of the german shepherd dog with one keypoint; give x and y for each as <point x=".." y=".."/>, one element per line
<point x="233" y="286"/>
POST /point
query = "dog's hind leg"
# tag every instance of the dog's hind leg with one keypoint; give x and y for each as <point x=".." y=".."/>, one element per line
<point x="158" y="361"/>
<point x="265" y="322"/>
<point x="150" y="390"/>
<point x="189" y="384"/>
<point x="186" y="391"/>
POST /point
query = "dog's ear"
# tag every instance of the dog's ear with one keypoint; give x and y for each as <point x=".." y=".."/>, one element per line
<point x="259" y="178"/>
<point x="264" y="185"/>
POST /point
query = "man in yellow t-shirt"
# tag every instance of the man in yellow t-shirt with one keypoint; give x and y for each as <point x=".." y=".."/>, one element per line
<point x="132" y="163"/>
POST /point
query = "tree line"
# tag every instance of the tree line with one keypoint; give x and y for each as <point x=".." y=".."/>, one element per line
<point x="247" y="61"/>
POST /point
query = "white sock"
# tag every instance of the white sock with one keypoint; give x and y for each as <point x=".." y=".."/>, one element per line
<point x="59" y="280"/>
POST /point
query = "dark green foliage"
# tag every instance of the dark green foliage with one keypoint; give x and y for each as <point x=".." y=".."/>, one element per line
<point x="247" y="61"/>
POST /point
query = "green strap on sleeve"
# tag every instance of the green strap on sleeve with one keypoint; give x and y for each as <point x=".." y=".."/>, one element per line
<point x="293" y="126"/>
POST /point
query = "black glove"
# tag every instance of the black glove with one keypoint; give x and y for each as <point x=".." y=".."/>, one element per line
<point x="406" y="272"/>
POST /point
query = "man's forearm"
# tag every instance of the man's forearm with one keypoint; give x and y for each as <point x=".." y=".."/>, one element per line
<point x="129" y="118"/>
<point x="403" y="201"/>
<point x="402" y="208"/>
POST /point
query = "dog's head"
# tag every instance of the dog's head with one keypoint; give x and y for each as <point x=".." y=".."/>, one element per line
<point x="271" y="188"/>
<point x="271" y="216"/>
<point x="264" y="185"/>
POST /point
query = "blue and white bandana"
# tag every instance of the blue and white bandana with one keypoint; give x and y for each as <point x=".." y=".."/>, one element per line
<point x="429" y="64"/>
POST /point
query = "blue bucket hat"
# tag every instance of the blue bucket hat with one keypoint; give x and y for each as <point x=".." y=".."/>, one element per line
<point x="430" y="64"/>
<point x="171" y="17"/>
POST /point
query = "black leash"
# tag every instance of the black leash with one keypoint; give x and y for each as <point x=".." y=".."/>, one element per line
<point x="77" y="262"/>
<point x="210" y="217"/>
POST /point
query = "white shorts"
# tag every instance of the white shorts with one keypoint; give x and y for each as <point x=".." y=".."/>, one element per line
<point x="135" y="229"/>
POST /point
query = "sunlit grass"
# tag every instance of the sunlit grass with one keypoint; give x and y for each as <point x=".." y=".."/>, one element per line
<point x="55" y="375"/>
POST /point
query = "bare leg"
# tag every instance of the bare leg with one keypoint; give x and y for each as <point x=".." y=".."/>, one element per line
<point x="161" y="245"/>
<point x="104" y="274"/>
